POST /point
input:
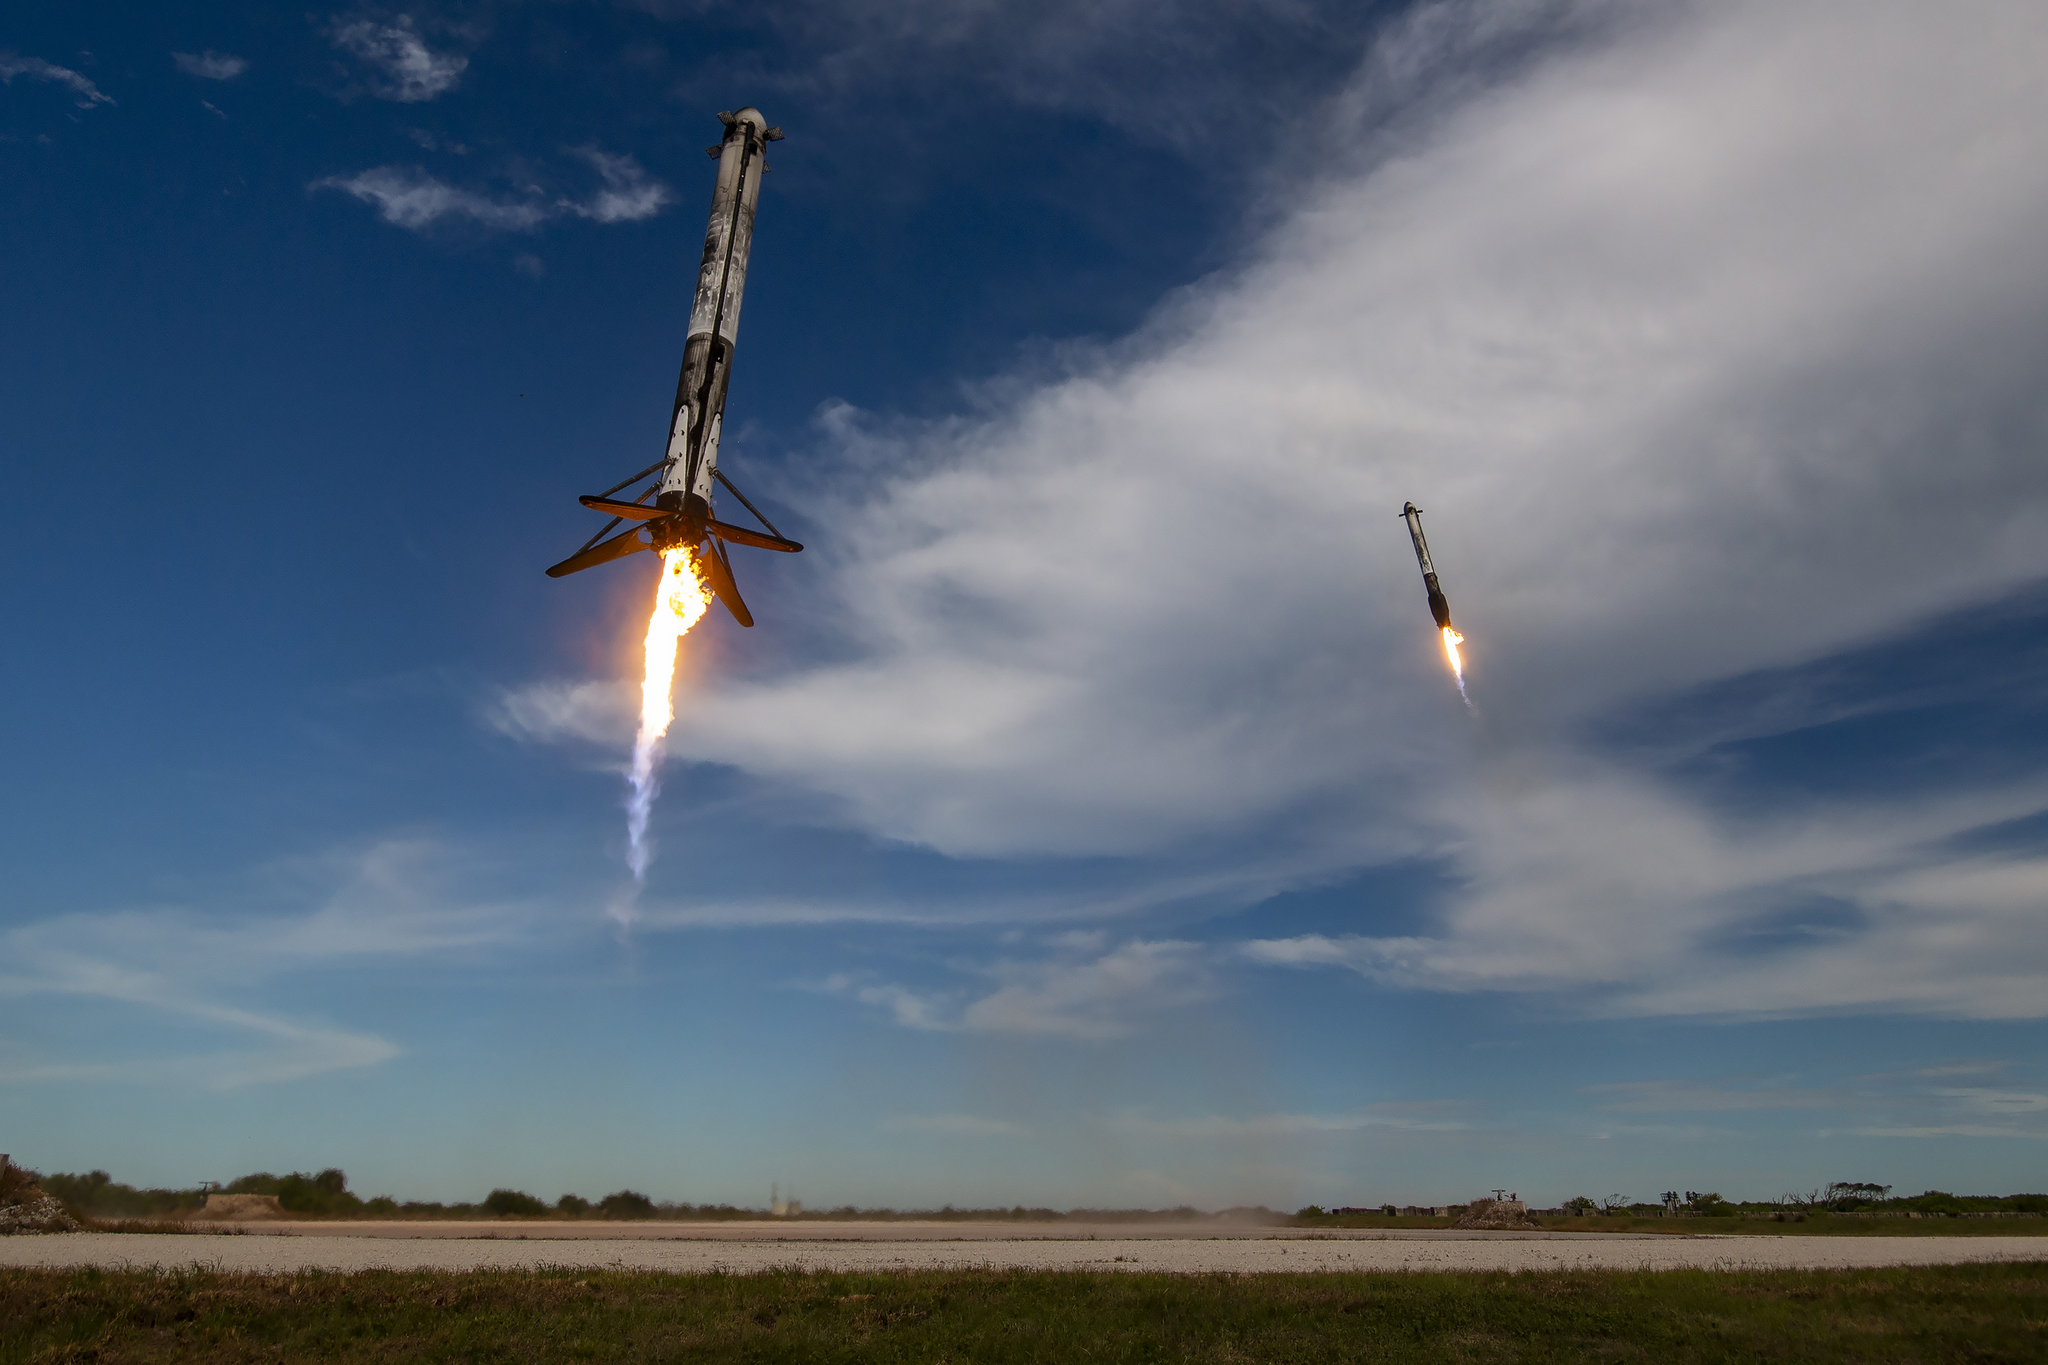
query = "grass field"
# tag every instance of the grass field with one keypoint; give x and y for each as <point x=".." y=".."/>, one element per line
<point x="1988" y="1313"/>
<point x="1820" y="1225"/>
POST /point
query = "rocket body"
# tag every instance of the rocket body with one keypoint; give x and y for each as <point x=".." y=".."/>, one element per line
<point x="698" y="414"/>
<point x="679" y="515"/>
<point x="1439" y="605"/>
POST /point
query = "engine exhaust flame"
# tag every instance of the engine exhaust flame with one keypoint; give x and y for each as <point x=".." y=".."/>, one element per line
<point x="1451" y="642"/>
<point x="679" y="603"/>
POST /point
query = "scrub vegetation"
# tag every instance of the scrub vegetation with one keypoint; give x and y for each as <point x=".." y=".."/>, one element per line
<point x="1939" y="1313"/>
<point x="98" y="1199"/>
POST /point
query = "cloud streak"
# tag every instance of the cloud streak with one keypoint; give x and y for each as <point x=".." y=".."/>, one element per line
<point x="1711" y="337"/>
<point x="187" y="969"/>
<point x="12" y="65"/>
<point x="412" y="198"/>
<point x="210" y="65"/>
<point x="1088" y="996"/>
<point x="403" y="67"/>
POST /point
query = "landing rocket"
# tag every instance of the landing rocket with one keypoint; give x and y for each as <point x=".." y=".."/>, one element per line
<point x="680" y="513"/>
<point x="1439" y="606"/>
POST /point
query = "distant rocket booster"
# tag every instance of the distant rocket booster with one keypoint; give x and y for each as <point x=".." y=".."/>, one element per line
<point x="1439" y="607"/>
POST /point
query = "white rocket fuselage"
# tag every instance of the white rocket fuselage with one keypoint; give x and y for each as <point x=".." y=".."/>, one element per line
<point x="1439" y="605"/>
<point x="699" y="410"/>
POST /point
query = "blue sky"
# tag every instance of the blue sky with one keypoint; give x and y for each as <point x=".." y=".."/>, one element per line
<point x="1089" y="820"/>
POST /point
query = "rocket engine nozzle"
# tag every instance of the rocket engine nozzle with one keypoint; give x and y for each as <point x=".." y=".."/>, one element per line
<point x="1439" y="605"/>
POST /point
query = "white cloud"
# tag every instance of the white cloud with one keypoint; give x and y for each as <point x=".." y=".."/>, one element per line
<point x="1424" y="1117"/>
<point x="1664" y="1097"/>
<point x="628" y="195"/>
<point x="1100" y="997"/>
<point x="954" y="1125"/>
<point x="551" y="712"/>
<point x="413" y="198"/>
<point x="12" y="66"/>
<point x="1971" y="1130"/>
<point x="1109" y="995"/>
<point x="190" y="969"/>
<point x="1710" y="338"/>
<point x="210" y="65"/>
<point x="1909" y="1104"/>
<point x="407" y="70"/>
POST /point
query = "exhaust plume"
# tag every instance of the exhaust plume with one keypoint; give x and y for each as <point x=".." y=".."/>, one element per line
<point x="679" y="603"/>
<point x="1451" y="642"/>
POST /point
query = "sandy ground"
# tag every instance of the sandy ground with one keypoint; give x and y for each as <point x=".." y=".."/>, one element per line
<point x="272" y="1248"/>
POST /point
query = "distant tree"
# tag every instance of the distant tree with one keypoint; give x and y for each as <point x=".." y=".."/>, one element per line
<point x="626" y="1204"/>
<point x="513" y="1203"/>
<point x="1844" y="1195"/>
<point x="1937" y="1201"/>
<point x="1614" y="1203"/>
<point x="1579" y="1205"/>
<point x="575" y="1205"/>
<point x="97" y="1194"/>
<point x="325" y="1193"/>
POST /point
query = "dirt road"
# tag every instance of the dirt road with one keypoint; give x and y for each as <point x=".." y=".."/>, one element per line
<point x="274" y="1248"/>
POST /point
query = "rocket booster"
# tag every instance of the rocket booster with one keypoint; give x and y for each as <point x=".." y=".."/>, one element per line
<point x="1439" y="606"/>
<point x="680" y="514"/>
<point x="699" y="410"/>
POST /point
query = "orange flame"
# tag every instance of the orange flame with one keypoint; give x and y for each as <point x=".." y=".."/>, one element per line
<point x="679" y="603"/>
<point x="1451" y="642"/>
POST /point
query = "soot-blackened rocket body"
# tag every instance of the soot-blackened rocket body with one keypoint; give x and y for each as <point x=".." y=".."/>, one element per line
<point x="680" y="513"/>
<point x="1439" y="606"/>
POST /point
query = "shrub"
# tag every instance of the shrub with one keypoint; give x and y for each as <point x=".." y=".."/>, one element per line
<point x="513" y="1203"/>
<point x="98" y="1195"/>
<point x="626" y="1204"/>
<point x="575" y="1205"/>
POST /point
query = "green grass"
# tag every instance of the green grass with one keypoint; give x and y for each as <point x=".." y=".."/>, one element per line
<point x="1818" y="1225"/>
<point x="1943" y="1313"/>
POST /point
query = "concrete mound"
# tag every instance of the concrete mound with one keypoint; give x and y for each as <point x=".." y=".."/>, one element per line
<point x="239" y="1208"/>
<point x="1498" y="1215"/>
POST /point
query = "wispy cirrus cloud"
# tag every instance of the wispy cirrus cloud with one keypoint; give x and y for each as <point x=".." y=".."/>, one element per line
<point x="210" y="65"/>
<point x="1420" y="1116"/>
<point x="1896" y="1104"/>
<point x="413" y="198"/>
<point x="401" y="65"/>
<point x="954" y="1125"/>
<point x="1662" y="322"/>
<point x="1085" y="996"/>
<point x="1661" y="1097"/>
<point x="12" y="65"/>
<point x="198" y="971"/>
<point x="628" y="194"/>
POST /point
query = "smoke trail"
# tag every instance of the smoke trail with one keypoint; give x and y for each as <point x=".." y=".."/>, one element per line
<point x="679" y="602"/>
